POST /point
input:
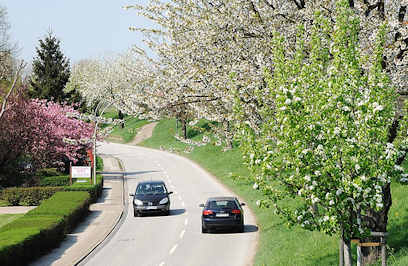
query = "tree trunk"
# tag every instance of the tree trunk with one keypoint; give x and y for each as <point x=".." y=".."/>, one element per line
<point x="377" y="222"/>
<point x="121" y="116"/>
<point x="184" y="127"/>
<point x="341" y="252"/>
<point x="227" y="134"/>
<point x="348" y="260"/>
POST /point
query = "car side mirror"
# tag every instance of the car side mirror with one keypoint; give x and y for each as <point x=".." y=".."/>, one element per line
<point x="243" y="204"/>
<point x="131" y="194"/>
<point x="201" y="205"/>
<point x="171" y="192"/>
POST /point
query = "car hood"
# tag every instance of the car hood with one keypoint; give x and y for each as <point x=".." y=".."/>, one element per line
<point x="150" y="197"/>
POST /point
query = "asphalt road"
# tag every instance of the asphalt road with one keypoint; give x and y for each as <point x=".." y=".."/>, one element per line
<point x="175" y="239"/>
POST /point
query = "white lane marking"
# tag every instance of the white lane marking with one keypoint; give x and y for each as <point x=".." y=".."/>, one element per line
<point x="182" y="204"/>
<point x="182" y="233"/>
<point x="186" y="221"/>
<point x="173" y="249"/>
<point x="161" y="264"/>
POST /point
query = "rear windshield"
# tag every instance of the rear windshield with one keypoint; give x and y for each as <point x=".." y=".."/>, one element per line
<point x="151" y="189"/>
<point x="222" y="204"/>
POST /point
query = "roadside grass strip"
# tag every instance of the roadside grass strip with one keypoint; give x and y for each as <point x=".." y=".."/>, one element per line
<point x="278" y="244"/>
<point x="42" y="228"/>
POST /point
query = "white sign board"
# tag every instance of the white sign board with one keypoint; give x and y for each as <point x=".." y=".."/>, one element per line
<point x="81" y="171"/>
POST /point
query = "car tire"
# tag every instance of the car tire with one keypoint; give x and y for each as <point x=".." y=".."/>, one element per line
<point x="166" y="213"/>
<point x="135" y="213"/>
<point x="203" y="230"/>
<point x="240" y="229"/>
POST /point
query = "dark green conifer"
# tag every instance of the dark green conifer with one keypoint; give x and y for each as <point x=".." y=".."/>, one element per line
<point x="51" y="71"/>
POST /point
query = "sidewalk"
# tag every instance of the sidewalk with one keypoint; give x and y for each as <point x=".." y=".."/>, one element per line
<point x="103" y="217"/>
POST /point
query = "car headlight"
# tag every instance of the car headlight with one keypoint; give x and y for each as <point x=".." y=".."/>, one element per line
<point x="137" y="202"/>
<point x="164" y="201"/>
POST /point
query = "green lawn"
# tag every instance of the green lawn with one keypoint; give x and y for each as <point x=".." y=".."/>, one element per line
<point x="3" y="203"/>
<point x="279" y="244"/>
<point x="7" y="218"/>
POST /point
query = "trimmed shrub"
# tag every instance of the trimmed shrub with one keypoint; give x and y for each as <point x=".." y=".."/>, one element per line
<point x="42" y="228"/>
<point x="31" y="196"/>
<point x="48" y="172"/>
<point x="54" y="181"/>
<point x="95" y="191"/>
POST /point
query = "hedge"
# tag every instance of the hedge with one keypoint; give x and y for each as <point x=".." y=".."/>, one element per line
<point x="33" y="196"/>
<point x="54" y="181"/>
<point x="42" y="228"/>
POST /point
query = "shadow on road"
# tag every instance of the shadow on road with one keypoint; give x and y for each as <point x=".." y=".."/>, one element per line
<point x="174" y="212"/>
<point x="248" y="228"/>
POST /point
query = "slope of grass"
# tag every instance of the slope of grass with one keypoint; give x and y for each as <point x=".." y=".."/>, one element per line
<point x="279" y="244"/>
<point x="128" y="132"/>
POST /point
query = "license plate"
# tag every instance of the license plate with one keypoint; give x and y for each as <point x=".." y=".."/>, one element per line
<point x="151" y="207"/>
<point x="222" y="214"/>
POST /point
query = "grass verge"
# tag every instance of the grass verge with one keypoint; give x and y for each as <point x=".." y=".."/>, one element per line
<point x="278" y="244"/>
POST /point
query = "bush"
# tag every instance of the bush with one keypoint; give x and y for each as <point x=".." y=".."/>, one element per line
<point x="95" y="191"/>
<point x="31" y="196"/>
<point x="48" y="172"/>
<point x="42" y="228"/>
<point x="54" y="181"/>
<point x="99" y="163"/>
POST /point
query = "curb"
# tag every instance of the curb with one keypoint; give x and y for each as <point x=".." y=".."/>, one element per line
<point x="118" y="219"/>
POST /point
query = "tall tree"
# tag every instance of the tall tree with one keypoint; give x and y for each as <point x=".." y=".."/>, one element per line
<point x="327" y="143"/>
<point x="51" y="71"/>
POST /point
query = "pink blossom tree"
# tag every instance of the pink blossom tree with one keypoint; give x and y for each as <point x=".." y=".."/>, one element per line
<point x="37" y="130"/>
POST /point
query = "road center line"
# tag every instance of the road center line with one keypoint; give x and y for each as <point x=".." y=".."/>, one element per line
<point x="186" y="221"/>
<point x="173" y="249"/>
<point x="182" y="233"/>
<point x="161" y="264"/>
<point x="182" y="204"/>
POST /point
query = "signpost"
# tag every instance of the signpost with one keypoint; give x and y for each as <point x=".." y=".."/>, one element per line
<point x="80" y="172"/>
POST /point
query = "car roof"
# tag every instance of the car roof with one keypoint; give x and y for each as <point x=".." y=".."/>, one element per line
<point x="151" y="182"/>
<point x="221" y="198"/>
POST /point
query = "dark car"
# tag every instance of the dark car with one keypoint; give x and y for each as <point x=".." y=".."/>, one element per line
<point x="151" y="197"/>
<point x="222" y="213"/>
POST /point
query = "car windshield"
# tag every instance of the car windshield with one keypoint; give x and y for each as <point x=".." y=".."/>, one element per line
<point x="148" y="188"/>
<point x="222" y="204"/>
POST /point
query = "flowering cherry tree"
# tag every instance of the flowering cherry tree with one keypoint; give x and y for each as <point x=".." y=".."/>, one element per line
<point x="327" y="142"/>
<point x="37" y="129"/>
<point x="202" y="44"/>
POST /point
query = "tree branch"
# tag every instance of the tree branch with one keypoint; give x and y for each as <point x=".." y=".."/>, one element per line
<point x="19" y="69"/>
